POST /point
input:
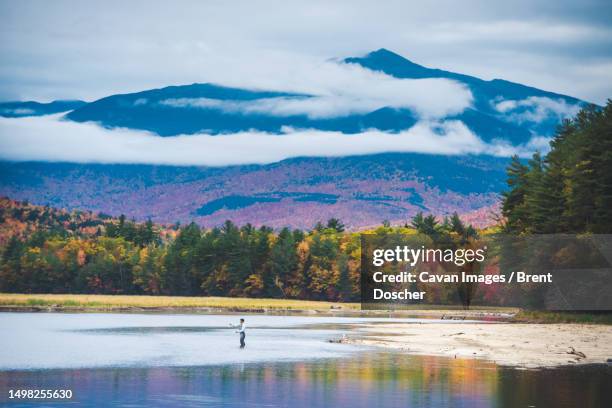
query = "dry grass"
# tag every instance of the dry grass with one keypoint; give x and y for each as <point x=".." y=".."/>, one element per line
<point x="70" y="302"/>
<point x="154" y="302"/>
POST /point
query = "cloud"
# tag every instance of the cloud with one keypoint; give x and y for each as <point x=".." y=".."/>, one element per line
<point x="339" y="88"/>
<point x="49" y="138"/>
<point x="17" y="111"/>
<point x="501" y="147"/>
<point x="365" y="91"/>
<point x="536" y="109"/>
<point x="72" y="49"/>
<point x="523" y="31"/>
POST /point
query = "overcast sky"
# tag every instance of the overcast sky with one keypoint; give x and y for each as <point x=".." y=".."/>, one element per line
<point x="86" y="50"/>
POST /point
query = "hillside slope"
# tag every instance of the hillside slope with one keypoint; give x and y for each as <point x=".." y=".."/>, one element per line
<point x="361" y="190"/>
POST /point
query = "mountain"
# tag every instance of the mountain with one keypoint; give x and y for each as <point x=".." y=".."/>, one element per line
<point x="30" y="108"/>
<point x="483" y="118"/>
<point x="501" y="109"/>
<point x="195" y="108"/>
<point x="360" y="190"/>
<point x="484" y="91"/>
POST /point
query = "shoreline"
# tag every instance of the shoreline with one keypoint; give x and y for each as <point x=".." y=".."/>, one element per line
<point x="442" y="314"/>
<point x="520" y="345"/>
<point x="505" y="336"/>
<point x="14" y="302"/>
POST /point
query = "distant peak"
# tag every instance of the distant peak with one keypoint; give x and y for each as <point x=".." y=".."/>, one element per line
<point x="392" y="64"/>
<point x="384" y="56"/>
<point x="383" y="52"/>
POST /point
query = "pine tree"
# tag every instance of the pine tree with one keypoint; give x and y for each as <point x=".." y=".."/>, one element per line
<point x="417" y="221"/>
<point x="10" y="270"/>
<point x="537" y="197"/>
<point x="179" y="278"/>
<point x="513" y="207"/>
<point x="601" y="135"/>
<point x="571" y="189"/>
<point x="335" y="224"/>
<point x="283" y="263"/>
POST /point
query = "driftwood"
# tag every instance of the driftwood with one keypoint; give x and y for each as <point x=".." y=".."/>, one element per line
<point x="573" y="351"/>
<point x="451" y="317"/>
<point x="341" y="340"/>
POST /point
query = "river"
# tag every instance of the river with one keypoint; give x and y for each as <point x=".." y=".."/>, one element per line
<point x="166" y="360"/>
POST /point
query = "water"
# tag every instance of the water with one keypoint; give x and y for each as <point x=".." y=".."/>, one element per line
<point x="143" y="360"/>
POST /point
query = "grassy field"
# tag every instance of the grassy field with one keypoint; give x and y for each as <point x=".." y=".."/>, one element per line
<point x="67" y="302"/>
<point x="71" y="301"/>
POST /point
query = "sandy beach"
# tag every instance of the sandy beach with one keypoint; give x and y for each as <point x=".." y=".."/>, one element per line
<point x="510" y="344"/>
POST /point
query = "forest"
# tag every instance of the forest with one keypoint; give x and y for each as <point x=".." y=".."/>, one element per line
<point x="570" y="189"/>
<point x="55" y="251"/>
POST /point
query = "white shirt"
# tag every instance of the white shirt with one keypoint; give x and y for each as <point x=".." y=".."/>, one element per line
<point x="241" y="328"/>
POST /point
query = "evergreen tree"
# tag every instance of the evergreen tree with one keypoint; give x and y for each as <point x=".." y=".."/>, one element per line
<point x="11" y="279"/>
<point x="601" y="136"/>
<point x="179" y="263"/>
<point x="513" y="207"/>
<point x="335" y="224"/>
<point x="283" y="263"/>
<point x="536" y="198"/>
<point x="417" y="221"/>
<point x="234" y="247"/>
<point x="571" y="189"/>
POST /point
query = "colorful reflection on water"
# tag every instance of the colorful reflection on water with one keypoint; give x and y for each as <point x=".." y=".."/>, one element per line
<point x="366" y="379"/>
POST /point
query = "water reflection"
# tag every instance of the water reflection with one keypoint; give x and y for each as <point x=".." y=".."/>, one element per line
<point x="193" y="360"/>
<point x="367" y="379"/>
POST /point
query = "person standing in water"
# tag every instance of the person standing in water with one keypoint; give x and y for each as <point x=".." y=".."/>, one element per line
<point x="241" y="330"/>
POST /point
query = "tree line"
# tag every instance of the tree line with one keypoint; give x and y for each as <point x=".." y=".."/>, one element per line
<point x="570" y="189"/>
<point x="81" y="253"/>
<point x="129" y="258"/>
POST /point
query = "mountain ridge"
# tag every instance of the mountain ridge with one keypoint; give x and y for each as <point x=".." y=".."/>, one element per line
<point x="215" y="109"/>
<point x="501" y="110"/>
<point x="361" y="190"/>
<point x="383" y="56"/>
<point x="19" y="109"/>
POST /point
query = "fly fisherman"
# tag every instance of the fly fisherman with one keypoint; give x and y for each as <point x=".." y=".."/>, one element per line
<point x="241" y="329"/>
